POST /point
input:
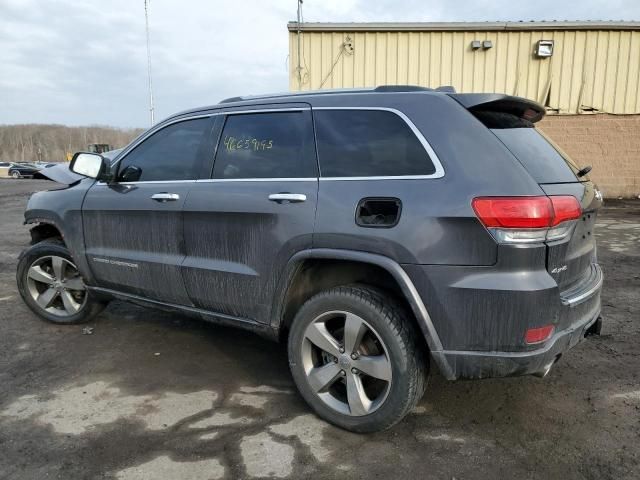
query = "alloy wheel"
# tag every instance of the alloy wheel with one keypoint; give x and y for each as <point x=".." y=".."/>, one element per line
<point x="346" y="363"/>
<point x="56" y="286"/>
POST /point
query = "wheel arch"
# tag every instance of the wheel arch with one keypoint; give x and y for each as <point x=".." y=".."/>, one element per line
<point x="44" y="229"/>
<point x="378" y="271"/>
<point x="47" y="224"/>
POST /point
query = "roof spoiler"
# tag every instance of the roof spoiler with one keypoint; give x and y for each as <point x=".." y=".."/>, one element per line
<point x="497" y="102"/>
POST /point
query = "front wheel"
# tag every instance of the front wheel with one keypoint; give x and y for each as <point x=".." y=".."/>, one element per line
<point x="356" y="358"/>
<point x="15" y="174"/>
<point x="51" y="286"/>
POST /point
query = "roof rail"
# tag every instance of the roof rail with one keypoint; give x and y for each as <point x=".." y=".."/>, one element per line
<point x="231" y="99"/>
<point x="296" y="94"/>
<point x="401" y="88"/>
<point x="382" y="88"/>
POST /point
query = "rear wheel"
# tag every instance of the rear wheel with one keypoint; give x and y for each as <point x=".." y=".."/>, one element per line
<point x="356" y="359"/>
<point x="51" y="286"/>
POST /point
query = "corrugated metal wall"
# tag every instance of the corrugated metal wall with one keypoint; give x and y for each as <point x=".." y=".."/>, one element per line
<point x="589" y="70"/>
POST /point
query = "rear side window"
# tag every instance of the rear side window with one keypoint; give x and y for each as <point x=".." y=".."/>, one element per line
<point x="266" y="145"/>
<point x="543" y="159"/>
<point x="368" y="143"/>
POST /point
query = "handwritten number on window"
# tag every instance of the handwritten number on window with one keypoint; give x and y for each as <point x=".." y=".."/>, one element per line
<point x="233" y="144"/>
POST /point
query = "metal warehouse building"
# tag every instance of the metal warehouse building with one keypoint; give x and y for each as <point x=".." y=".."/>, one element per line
<point x="586" y="74"/>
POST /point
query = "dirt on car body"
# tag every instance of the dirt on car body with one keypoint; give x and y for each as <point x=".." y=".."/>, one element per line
<point x="153" y="394"/>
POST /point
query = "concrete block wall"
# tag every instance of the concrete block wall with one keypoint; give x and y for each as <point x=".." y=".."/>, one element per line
<point x="609" y="143"/>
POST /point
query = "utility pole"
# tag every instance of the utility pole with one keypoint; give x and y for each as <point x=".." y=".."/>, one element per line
<point x="146" y="21"/>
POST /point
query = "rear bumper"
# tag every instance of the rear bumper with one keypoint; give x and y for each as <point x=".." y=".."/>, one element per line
<point x="470" y="364"/>
<point x="482" y="324"/>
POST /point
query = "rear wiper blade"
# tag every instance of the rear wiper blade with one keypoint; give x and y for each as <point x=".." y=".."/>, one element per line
<point x="584" y="171"/>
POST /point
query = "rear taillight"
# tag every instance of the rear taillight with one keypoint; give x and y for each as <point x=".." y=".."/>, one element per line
<point x="565" y="207"/>
<point x="528" y="219"/>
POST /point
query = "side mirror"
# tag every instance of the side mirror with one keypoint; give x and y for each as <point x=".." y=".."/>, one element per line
<point x="90" y="165"/>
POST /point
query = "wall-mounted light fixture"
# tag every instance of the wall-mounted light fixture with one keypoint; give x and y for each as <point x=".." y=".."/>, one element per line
<point x="476" y="44"/>
<point x="487" y="44"/>
<point x="544" y="48"/>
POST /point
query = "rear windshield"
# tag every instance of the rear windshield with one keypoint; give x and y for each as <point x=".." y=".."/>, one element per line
<point x="542" y="158"/>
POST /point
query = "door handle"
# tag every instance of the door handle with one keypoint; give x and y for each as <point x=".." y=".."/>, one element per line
<point x="165" y="197"/>
<point x="288" y="197"/>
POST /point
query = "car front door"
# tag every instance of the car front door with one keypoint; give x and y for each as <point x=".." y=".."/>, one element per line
<point x="133" y="225"/>
<point x="256" y="211"/>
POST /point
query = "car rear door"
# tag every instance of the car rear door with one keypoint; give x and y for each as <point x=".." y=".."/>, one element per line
<point x="258" y="209"/>
<point x="133" y="225"/>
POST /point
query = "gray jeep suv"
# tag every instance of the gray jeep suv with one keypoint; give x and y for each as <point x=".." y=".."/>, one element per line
<point x="379" y="232"/>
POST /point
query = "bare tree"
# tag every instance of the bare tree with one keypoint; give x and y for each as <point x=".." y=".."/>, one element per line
<point x="21" y="143"/>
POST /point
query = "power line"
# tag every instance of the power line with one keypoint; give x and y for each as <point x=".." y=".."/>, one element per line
<point x="299" y="68"/>
<point x="346" y="48"/>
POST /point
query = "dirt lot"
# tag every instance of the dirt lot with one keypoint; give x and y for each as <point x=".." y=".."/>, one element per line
<point x="156" y="395"/>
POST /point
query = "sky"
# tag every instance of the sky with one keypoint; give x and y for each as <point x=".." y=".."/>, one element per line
<point x="84" y="62"/>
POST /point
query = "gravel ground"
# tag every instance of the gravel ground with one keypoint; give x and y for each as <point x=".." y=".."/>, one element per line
<point x="156" y="395"/>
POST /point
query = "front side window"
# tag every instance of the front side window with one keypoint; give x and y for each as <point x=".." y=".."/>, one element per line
<point x="173" y="153"/>
<point x="266" y="145"/>
<point x="368" y="143"/>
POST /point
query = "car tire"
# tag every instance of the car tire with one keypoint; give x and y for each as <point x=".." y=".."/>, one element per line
<point x="15" y="174"/>
<point x="51" y="286"/>
<point x="386" y="332"/>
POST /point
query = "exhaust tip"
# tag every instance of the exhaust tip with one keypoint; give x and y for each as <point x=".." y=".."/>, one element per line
<point x="543" y="373"/>
<point x="547" y="368"/>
